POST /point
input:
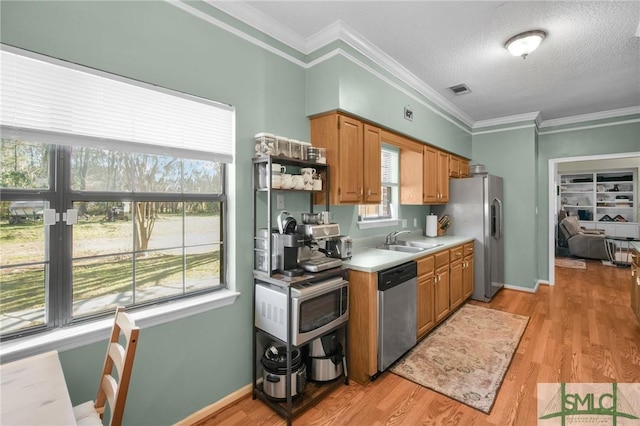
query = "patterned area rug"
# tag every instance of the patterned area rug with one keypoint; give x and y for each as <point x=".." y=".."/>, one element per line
<point x="571" y="263"/>
<point x="467" y="356"/>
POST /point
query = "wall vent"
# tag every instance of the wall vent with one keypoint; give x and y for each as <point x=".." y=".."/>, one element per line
<point x="460" y="89"/>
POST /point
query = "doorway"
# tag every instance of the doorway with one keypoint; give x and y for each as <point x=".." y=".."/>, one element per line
<point x="554" y="164"/>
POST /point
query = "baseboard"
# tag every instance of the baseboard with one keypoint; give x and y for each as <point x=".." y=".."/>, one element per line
<point x="220" y="404"/>
<point x="525" y="289"/>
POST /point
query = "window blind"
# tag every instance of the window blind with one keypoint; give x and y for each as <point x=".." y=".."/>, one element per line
<point x="388" y="160"/>
<point x="53" y="101"/>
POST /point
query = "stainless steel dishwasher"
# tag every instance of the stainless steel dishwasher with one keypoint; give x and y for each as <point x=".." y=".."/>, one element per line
<point x="397" y="288"/>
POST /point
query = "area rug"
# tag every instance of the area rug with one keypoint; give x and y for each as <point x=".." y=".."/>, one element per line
<point x="467" y="356"/>
<point x="563" y="262"/>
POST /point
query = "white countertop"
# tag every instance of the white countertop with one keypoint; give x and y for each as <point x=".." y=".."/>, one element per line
<point x="373" y="260"/>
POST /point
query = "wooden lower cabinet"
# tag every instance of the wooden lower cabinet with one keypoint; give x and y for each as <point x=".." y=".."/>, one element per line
<point x="362" y="355"/>
<point x="455" y="283"/>
<point x="426" y="318"/>
<point x="441" y="285"/>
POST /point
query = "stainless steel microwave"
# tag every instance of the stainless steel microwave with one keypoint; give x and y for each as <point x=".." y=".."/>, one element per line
<point x="316" y="308"/>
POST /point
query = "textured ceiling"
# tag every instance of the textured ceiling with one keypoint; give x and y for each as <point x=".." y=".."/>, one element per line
<point x="589" y="62"/>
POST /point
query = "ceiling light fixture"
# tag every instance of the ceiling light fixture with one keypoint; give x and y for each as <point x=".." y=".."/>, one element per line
<point x="525" y="43"/>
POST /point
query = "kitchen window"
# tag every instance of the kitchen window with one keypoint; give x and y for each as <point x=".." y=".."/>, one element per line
<point x="113" y="193"/>
<point x="385" y="213"/>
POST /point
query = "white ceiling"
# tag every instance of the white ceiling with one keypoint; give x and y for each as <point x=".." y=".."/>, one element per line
<point x="588" y="64"/>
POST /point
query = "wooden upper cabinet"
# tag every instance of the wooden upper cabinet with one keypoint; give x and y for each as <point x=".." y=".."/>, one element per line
<point x="350" y="161"/>
<point x="353" y="156"/>
<point x="464" y="168"/>
<point x="454" y="166"/>
<point x="430" y="175"/>
<point x="443" y="177"/>
<point x="372" y="167"/>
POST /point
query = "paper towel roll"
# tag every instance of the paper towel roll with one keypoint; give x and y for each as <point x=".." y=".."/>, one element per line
<point x="432" y="225"/>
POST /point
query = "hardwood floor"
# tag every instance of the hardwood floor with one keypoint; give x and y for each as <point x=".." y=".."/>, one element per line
<point x="580" y="330"/>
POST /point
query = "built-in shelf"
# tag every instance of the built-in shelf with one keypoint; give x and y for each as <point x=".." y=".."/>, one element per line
<point x="603" y="200"/>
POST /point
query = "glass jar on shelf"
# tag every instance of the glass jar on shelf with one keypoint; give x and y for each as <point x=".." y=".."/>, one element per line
<point x="283" y="146"/>
<point x="265" y="144"/>
<point x="295" y="149"/>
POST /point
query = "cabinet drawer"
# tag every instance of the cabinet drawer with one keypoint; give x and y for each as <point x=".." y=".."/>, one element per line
<point x="468" y="249"/>
<point x="425" y="265"/>
<point x="441" y="259"/>
<point x="456" y="253"/>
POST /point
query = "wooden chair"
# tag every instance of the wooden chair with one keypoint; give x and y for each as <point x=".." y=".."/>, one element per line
<point x="111" y="390"/>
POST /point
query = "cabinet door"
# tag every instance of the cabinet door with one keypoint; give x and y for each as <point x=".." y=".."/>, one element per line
<point x="350" y="162"/>
<point x="430" y="175"/>
<point x="441" y="296"/>
<point x="371" y="165"/>
<point x="426" y="306"/>
<point x="454" y="166"/>
<point x="467" y="277"/>
<point x="443" y="177"/>
<point x="455" y="284"/>
<point x="464" y="168"/>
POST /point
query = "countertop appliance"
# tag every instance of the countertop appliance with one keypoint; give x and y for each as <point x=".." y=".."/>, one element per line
<point x="314" y="259"/>
<point x="339" y="247"/>
<point x="326" y="358"/>
<point x="397" y="292"/>
<point x="475" y="208"/>
<point x="274" y="371"/>
<point x="316" y="308"/>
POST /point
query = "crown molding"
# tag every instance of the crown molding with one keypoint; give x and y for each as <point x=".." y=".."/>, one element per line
<point x="529" y="116"/>
<point x="602" y="115"/>
<point x="340" y="31"/>
<point x="180" y="4"/>
<point x="334" y="32"/>
<point x="263" y="23"/>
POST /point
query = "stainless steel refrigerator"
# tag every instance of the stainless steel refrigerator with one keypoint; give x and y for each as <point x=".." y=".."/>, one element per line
<point x="475" y="210"/>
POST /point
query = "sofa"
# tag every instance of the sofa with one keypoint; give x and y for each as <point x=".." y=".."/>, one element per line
<point x="583" y="243"/>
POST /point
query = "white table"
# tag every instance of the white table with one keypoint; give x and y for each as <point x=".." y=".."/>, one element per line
<point x="33" y="392"/>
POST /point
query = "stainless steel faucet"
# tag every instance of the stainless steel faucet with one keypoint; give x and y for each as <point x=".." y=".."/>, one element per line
<point x="392" y="237"/>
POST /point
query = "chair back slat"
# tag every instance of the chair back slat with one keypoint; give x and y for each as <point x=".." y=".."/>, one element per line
<point x="112" y="391"/>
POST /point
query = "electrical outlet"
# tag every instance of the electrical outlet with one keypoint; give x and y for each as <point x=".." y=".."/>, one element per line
<point x="404" y="223"/>
<point x="415" y="222"/>
<point x="280" y="202"/>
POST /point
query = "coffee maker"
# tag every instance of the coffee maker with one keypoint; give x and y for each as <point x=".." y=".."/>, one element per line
<point x="287" y="249"/>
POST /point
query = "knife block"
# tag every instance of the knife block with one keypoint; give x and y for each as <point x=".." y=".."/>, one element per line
<point x="441" y="232"/>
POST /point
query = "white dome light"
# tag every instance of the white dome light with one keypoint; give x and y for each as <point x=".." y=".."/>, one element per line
<point x="525" y="43"/>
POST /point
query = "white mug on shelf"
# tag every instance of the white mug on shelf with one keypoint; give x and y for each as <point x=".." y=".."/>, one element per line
<point x="307" y="173"/>
<point x="275" y="181"/>
<point x="286" y="181"/>
<point x="298" y="182"/>
<point x="277" y="168"/>
<point x="317" y="185"/>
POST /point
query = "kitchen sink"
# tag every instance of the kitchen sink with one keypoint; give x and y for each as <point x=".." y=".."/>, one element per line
<point x="402" y="248"/>
<point x="420" y="244"/>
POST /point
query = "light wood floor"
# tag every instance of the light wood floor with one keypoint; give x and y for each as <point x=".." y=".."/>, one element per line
<point x="580" y="330"/>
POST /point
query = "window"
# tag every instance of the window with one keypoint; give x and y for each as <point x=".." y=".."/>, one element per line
<point x="387" y="209"/>
<point x="89" y="220"/>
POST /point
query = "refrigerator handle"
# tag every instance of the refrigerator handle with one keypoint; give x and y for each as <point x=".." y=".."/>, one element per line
<point x="496" y="220"/>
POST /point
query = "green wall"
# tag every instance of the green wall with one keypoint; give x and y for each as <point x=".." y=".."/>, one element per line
<point x="511" y="154"/>
<point x="602" y="137"/>
<point x="187" y="364"/>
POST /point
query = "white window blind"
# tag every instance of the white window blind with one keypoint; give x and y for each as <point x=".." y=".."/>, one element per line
<point x="52" y="101"/>
<point x="389" y="160"/>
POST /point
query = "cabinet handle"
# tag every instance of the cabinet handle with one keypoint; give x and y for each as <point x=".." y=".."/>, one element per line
<point x="361" y="190"/>
<point x="458" y="253"/>
<point x="368" y="192"/>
